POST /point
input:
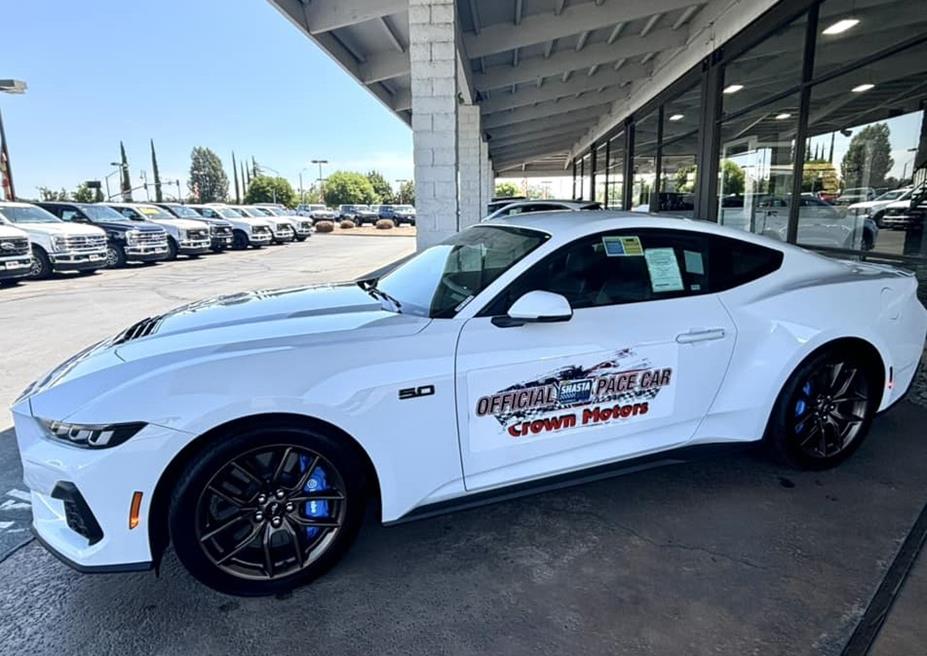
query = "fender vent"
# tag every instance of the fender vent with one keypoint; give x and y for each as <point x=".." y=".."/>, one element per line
<point x="138" y="330"/>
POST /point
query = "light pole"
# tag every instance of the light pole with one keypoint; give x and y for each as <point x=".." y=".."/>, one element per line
<point x="399" y="183"/>
<point x="6" y="171"/>
<point x="320" y="162"/>
<point x="106" y="178"/>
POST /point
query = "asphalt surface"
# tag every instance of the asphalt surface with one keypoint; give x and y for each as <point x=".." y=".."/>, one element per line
<point x="725" y="555"/>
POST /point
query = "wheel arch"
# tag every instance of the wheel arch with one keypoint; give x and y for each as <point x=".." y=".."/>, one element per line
<point x="158" y="532"/>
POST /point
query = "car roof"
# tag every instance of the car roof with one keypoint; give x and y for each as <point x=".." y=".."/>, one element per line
<point x="566" y="225"/>
<point x="15" y="203"/>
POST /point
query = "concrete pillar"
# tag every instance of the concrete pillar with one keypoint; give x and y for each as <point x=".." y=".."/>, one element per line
<point x="433" y="56"/>
<point x="487" y="183"/>
<point x="468" y="157"/>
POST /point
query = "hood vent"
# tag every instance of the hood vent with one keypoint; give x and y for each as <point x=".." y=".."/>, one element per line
<point x="138" y="330"/>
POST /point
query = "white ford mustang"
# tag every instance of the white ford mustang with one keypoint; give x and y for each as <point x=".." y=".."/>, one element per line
<point x="251" y="430"/>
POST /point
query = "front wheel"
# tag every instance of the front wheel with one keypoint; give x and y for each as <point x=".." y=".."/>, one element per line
<point x="171" y="249"/>
<point x="824" y="411"/>
<point x="115" y="256"/>
<point x="41" y="264"/>
<point x="265" y="510"/>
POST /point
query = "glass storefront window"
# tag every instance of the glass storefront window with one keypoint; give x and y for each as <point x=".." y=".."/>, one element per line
<point x="616" y="172"/>
<point x="849" y="30"/>
<point x="771" y="67"/>
<point x="645" y="163"/>
<point x="755" y="168"/>
<point x="599" y="195"/>
<point x="678" y="155"/>
<point x="864" y="128"/>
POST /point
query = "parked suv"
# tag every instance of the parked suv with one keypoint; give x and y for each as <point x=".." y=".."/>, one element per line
<point x="57" y="245"/>
<point x="246" y="231"/>
<point x="15" y="252"/>
<point x="126" y="240"/>
<point x="220" y="230"/>
<point x="302" y="227"/>
<point x="184" y="237"/>
<point x="283" y="229"/>
<point x="399" y="214"/>
<point x="360" y="214"/>
<point x="317" y="212"/>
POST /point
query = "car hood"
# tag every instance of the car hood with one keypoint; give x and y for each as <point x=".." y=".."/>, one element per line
<point x="62" y="228"/>
<point x="9" y="232"/>
<point x="183" y="224"/>
<point x="246" y="324"/>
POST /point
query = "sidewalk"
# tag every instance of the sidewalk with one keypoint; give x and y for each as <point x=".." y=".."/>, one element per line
<point x="905" y="629"/>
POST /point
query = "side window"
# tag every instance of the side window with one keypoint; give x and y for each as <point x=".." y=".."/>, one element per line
<point x="628" y="266"/>
<point x="208" y="213"/>
<point x="734" y="262"/>
<point x="68" y="215"/>
<point x="128" y="212"/>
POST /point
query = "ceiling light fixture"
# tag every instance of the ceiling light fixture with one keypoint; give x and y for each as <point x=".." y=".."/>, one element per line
<point x="733" y="88"/>
<point x="783" y="116"/>
<point x="862" y="87"/>
<point x="676" y="117"/>
<point x="841" y="26"/>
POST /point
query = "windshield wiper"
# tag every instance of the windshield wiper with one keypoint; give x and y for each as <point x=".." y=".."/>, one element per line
<point x="370" y="286"/>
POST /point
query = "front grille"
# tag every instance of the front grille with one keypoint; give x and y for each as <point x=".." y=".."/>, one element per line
<point x="77" y="513"/>
<point x="306" y="226"/>
<point x="260" y="230"/>
<point x="220" y="231"/>
<point x="84" y="243"/>
<point x="197" y="234"/>
<point x="14" y="246"/>
<point x="138" y="330"/>
<point x="151" y="238"/>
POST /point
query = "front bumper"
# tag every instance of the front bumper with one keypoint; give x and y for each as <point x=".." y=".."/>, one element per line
<point x="218" y="243"/>
<point x="141" y="253"/>
<point x="15" y="268"/>
<point x="191" y="247"/>
<point x="78" y="261"/>
<point x="283" y="236"/>
<point x="95" y="488"/>
<point x="260" y="238"/>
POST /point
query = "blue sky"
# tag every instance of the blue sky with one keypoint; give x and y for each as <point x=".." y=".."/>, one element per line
<point x="230" y="75"/>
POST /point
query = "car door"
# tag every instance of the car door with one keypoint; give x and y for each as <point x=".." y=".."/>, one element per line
<point x="632" y="372"/>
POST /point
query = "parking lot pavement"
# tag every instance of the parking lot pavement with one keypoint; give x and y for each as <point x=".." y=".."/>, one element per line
<point x="44" y="322"/>
<point x="725" y="555"/>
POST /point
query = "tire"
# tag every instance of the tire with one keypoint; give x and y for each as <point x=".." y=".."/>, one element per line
<point x="225" y="547"/>
<point x="41" y="265"/>
<point x="301" y="239"/>
<point x="239" y="240"/>
<point x="115" y="256"/>
<point x="171" y="249"/>
<point x="806" y="429"/>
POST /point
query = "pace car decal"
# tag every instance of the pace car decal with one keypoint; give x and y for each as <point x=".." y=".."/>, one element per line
<point x="626" y="386"/>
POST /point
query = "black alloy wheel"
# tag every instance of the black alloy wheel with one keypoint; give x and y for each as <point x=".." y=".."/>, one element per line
<point x="270" y="516"/>
<point x="824" y="411"/>
<point x="115" y="256"/>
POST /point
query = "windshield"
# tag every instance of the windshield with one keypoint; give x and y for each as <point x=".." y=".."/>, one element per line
<point x="28" y="214"/>
<point x="186" y="212"/>
<point x="317" y="207"/>
<point x="102" y="213"/>
<point x="249" y="211"/>
<point x="272" y="211"/>
<point x="894" y="194"/>
<point x="439" y="281"/>
<point x="228" y="213"/>
<point x="152" y="212"/>
<point x="403" y="208"/>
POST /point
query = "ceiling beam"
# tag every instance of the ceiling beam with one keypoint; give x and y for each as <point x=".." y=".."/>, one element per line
<point x="574" y="19"/>
<point x="554" y="121"/>
<point x="532" y="147"/>
<point x="384" y="66"/>
<point x="327" y="15"/>
<point x="558" y="89"/>
<point x="544" y="110"/>
<point x="595" y="55"/>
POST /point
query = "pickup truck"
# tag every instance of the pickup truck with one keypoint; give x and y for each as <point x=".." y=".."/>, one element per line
<point x="284" y="230"/>
<point x="246" y="231"/>
<point x="184" y="237"/>
<point x="126" y="240"/>
<point x="15" y="253"/>
<point x="220" y="230"/>
<point x="301" y="226"/>
<point x="56" y="245"/>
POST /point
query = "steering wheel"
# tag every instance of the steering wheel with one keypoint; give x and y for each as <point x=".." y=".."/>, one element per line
<point x="456" y="288"/>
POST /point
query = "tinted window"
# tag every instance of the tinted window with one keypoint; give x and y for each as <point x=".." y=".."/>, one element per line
<point x="641" y="265"/>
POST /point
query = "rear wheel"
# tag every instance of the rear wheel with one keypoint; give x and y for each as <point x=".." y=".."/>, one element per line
<point x="171" y="249"/>
<point x="266" y="510"/>
<point x="824" y="411"/>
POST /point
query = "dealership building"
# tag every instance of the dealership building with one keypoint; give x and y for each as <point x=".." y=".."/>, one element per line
<point x="724" y="110"/>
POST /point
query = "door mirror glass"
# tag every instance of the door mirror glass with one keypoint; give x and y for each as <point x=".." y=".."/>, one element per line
<point x="537" y="307"/>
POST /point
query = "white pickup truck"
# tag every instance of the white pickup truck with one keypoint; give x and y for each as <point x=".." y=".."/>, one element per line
<point x="15" y="253"/>
<point x="184" y="236"/>
<point x="56" y="245"/>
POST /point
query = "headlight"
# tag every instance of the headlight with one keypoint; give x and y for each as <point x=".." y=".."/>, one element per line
<point x="59" y="243"/>
<point x="184" y="235"/>
<point x="132" y="236"/>
<point x="91" y="436"/>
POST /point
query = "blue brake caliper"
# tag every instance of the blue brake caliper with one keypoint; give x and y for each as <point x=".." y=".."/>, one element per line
<point x="801" y="405"/>
<point x="317" y="483"/>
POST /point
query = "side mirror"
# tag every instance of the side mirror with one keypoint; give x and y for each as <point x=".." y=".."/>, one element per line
<point x="536" y="307"/>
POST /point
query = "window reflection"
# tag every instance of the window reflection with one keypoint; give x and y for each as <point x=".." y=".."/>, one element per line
<point x="678" y="155"/>
<point x="645" y="162"/>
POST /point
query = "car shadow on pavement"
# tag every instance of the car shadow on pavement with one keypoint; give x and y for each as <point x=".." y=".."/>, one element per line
<point x="728" y="555"/>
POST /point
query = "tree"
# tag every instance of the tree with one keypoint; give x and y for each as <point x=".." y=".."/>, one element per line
<point x="868" y="158"/>
<point x="51" y="195"/>
<point x="312" y="195"/>
<point x="126" y="180"/>
<point x="159" y="198"/>
<point x="267" y="189"/>
<point x="732" y="178"/>
<point x="381" y="187"/>
<point x="349" y="188"/>
<point x="235" y="176"/>
<point x="684" y="179"/>
<point x="406" y="193"/>
<point x="504" y="189"/>
<point x="208" y="182"/>
<point x="84" y="194"/>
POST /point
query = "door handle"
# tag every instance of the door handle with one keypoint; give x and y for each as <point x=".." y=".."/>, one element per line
<point x="700" y="335"/>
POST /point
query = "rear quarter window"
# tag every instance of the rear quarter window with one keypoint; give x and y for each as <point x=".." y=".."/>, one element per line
<point x="734" y="262"/>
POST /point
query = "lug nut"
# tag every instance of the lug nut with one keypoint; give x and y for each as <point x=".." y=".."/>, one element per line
<point x="275" y="522"/>
<point x="262" y="498"/>
<point x="279" y="494"/>
<point x="289" y="506"/>
<point x="259" y="516"/>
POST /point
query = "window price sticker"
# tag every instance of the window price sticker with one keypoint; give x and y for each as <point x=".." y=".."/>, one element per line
<point x="622" y="246"/>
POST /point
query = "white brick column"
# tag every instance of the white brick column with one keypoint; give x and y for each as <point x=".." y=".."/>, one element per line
<point x="468" y="157"/>
<point x="433" y="55"/>
<point x="487" y="182"/>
